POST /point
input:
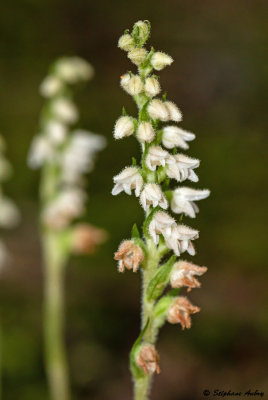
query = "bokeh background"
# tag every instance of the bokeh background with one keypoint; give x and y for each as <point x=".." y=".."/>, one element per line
<point x="219" y="79"/>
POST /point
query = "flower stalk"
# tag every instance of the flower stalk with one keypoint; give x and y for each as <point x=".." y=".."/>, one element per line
<point x="64" y="154"/>
<point x="162" y="240"/>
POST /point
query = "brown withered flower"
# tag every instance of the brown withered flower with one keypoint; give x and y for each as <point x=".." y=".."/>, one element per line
<point x="129" y="256"/>
<point x="183" y="275"/>
<point x="148" y="359"/>
<point x="180" y="310"/>
<point x="86" y="237"/>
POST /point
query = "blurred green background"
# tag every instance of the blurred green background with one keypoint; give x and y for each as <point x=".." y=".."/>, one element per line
<point x="219" y="79"/>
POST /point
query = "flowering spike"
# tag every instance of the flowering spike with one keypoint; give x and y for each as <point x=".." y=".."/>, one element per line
<point x="65" y="155"/>
<point x="151" y="181"/>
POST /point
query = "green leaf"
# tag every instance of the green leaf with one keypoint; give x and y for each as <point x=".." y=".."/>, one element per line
<point x="137" y="372"/>
<point x="134" y="162"/>
<point x="124" y="113"/>
<point x="160" y="279"/>
<point x="162" y="306"/>
<point x="135" y="232"/>
<point x="164" y="97"/>
<point x="148" y="221"/>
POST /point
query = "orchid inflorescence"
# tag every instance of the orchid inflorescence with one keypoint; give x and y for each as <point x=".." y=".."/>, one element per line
<point x="9" y="214"/>
<point x="151" y="181"/>
<point x="65" y="154"/>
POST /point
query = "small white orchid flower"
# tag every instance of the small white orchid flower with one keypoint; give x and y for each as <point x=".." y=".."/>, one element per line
<point x="145" y="132"/>
<point x="124" y="127"/>
<point x="161" y="60"/>
<point x="127" y="180"/>
<point x="161" y="224"/>
<point x="152" y="87"/>
<point x="65" y="110"/>
<point x="152" y="195"/>
<point x="173" y="136"/>
<point x="137" y="55"/>
<point x="158" y="156"/>
<point x="183" y="200"/>
<point x="183" y="168"/>
<point x="126" y="42"/>
<point x="51" y="86"/>
<point x="173" y="111"/>
<point x="158" y="110"/>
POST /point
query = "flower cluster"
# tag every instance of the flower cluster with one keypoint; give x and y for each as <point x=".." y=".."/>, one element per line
<point x="162" y="163"/>
<point x="64" y="152"/>
<point x="9" y="214"/>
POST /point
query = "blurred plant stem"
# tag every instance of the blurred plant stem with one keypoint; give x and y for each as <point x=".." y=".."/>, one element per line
<point x="55" y="258"/>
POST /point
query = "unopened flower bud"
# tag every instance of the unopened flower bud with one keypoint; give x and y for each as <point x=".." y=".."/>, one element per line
<point x="160" y="60"/>
<point x="152" y="87"/>
<point x="50" y="86"/>
<point x="145" y="132"/>
<point x="143" y="30"/>
<point x="174" y="113"/>
<point x="179" y="312"/>
<point x="124" y="127"/>
<point x="148" y="359"/>
<point x="86" y="237"/>
<point x="126" y="42"/>
<point x="129" y="255"/>
<point x="183" y="275"/>
<point x="137" y="56"/>
<point x="132" y="85"/>
<point x="158" y="110"/>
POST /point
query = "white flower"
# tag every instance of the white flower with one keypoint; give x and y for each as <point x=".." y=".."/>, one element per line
<point x="67" y="206"/>
<point x="183" y="168"/>
<point x="79" y="156"/>
<point x="152" y="87"/>
<point x="40" y="152"/>
<point x="185" y="235"/>
<point x="73" y="69"/>
<point x="126" y="42"/>
<point x="64" y="110"/>
<point x="137" y="55"/>
<point x="173" y="136"/>
<point x="145" y="132"/>
<point x="177" y="237"/>
<point x="183" y="200"/>
<point x="160" y="60"/>
<point x="158" y="156"/>
<point x="128" y="179"/>
<point x="161" y="224"/>
<point x="124" y="126"/>
<point x="158" y="110"/>
<point x="132" y="84"/>
<point x="9" y="214"/>
<point x="153" y="195"/>
<point x="56" y="132"/>
<point x="51" y="86"/>
<point x="173" y="111"/>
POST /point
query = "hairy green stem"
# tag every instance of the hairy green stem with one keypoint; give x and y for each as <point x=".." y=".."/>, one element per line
<point x="55" y="356"/>
<point x="142" y="384"/>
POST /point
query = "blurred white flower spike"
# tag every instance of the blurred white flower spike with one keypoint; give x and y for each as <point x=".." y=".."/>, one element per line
<point x="162" y="240"/>
<point x="9" y="213"/>
<point x="65" y="154"/>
